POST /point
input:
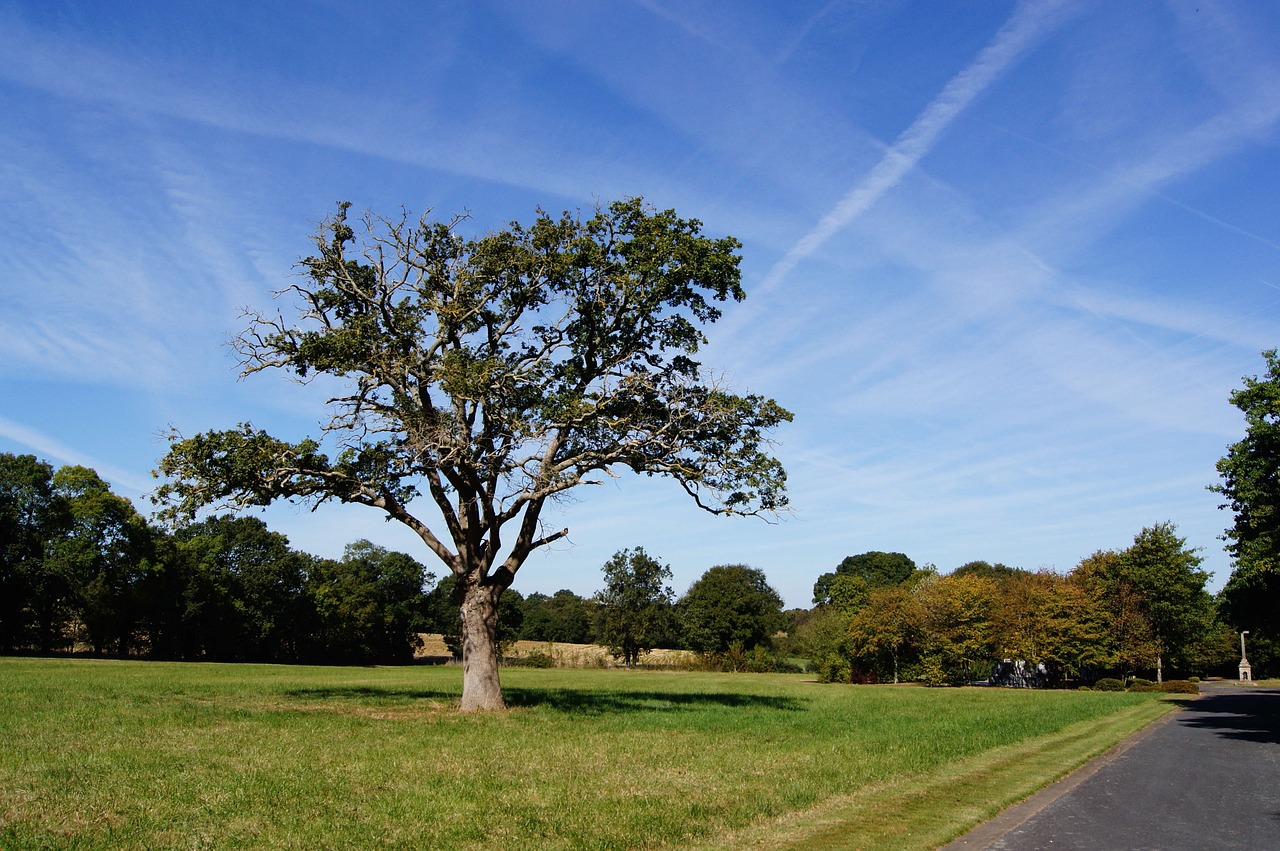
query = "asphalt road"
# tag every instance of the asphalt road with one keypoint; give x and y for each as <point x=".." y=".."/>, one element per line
<point x="1208" y="777"/>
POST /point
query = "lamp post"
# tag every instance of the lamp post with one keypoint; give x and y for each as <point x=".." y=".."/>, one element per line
<point x="1246" y="670"/>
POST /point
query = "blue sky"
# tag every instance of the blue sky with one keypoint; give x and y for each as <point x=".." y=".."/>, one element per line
<point x="1004" y="261"/>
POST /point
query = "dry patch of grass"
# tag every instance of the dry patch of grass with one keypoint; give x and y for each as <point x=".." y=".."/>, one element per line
<point x="567" y="655"/>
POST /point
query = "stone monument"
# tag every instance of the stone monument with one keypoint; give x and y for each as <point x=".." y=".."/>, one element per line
<point x="1246" y="670"/>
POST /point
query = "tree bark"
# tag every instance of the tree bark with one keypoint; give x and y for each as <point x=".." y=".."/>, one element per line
<point x="481" y="690"/>
<point x="1159" y="668"/>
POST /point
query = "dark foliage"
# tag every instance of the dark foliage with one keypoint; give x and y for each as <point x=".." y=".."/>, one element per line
<point x="81" y="570"/>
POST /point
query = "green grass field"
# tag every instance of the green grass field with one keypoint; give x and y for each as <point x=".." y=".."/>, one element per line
<point x="97" y="754"/>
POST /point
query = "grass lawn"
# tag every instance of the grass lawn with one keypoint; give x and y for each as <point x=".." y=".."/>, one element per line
<point x="98" y="754"/>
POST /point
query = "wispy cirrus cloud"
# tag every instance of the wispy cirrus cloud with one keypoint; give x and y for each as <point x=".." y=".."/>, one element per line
<point x="491" y="142"/>
<point x="49" y="447"/>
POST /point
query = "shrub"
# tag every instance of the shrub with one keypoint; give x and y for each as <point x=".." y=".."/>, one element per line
<point x="933" y="673"/>
<point x="1143" y="686"/>
<point x="832" y="668"/>
<point x="1193" y="679"/>
<point x="536" y="659"/>
<point x="1180" y="687"/>
<point x="1108" y="684"/>
<point x="757" y="660"/>
<point x="1139" y="681"/>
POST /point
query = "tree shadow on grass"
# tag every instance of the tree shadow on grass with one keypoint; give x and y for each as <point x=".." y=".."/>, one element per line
<point x="569" y="701"/>
<point x="585" y="702"/>
<point x="1245" y="714"/>
<point x="368" y="693"/>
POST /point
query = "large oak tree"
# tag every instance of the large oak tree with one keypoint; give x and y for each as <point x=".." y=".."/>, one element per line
<point x="491" y="375"/>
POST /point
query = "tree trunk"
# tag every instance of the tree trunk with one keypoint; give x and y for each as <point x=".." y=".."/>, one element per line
<point x="1159" y="668"/>
<point x="481" y="689"/>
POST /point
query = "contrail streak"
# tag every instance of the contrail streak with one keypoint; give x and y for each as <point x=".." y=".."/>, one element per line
<point x="54" y="448"/>
<point x="1028" y="23"/>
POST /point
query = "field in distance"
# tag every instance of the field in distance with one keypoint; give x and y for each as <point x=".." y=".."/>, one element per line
<point x="563" y="654"/>
<point x="104" y="754"/>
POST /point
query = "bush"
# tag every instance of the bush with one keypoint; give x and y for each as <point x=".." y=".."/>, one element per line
<point x="1180" y="687"/>
<point x="933" y="674"/>
<point x="536" y="659"/>
<point x="1108" y="684"/>
<point x="757" y="660"/>
<point x="832" y="668"/>
<point x="1139" y="681"/>
<point x="1143" y="686"/>
<point x="1193" y="679"/>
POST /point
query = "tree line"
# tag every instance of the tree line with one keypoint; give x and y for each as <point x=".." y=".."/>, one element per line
<point x="1142" y="610"/>
<point x="81" y="570"/>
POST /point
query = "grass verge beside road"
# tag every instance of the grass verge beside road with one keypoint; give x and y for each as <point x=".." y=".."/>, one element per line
<point x="97" y="754"/>
<point x="928" y="810"/>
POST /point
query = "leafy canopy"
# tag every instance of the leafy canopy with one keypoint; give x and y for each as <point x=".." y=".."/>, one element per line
<point x="1251" y="484"/>
<point x="872" y="569"/>
<point x="494" y="373"/>
<point x="730" y="604"/>
<point x="635" y="606"/>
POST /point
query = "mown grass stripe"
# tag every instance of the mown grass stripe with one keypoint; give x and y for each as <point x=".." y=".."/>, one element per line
<point x="926" y="811"/>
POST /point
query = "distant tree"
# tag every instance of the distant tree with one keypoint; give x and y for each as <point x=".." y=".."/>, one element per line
<point x="563" y="616"/>
<point x="1019" y="613"/>
<point x="888" y="627"/>
<point x="1172" y="584"/>
<point x="875" y="569"/>
<point x="1076" y="630"/>
<point x="848" y="593"/>
<point x="958" y="633"/>
<point x="1155" y="598"/>
<point x="1044" y="618"/>
<point x="33" y="598"/>
<point x="536" y="621"/>
<point x="171" y="601"/>
<point x="1250" y="473"/>
<point x="369" y="604"/>
<point x="510" y="622"/>
<point x="440" y="614"/>
<point x="793" y="623"/>
<point x="246" y="595"/>
<point x="104" y="558"/>
<point x="1129" y="633"/>
<point x="634" y="609"/>
<point x="730" y="605"/>
<point x="998" y="572"/>
<point x="1215" y="648"/>
<point x="823" y="639"/>
<point x="495" y="374"/>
